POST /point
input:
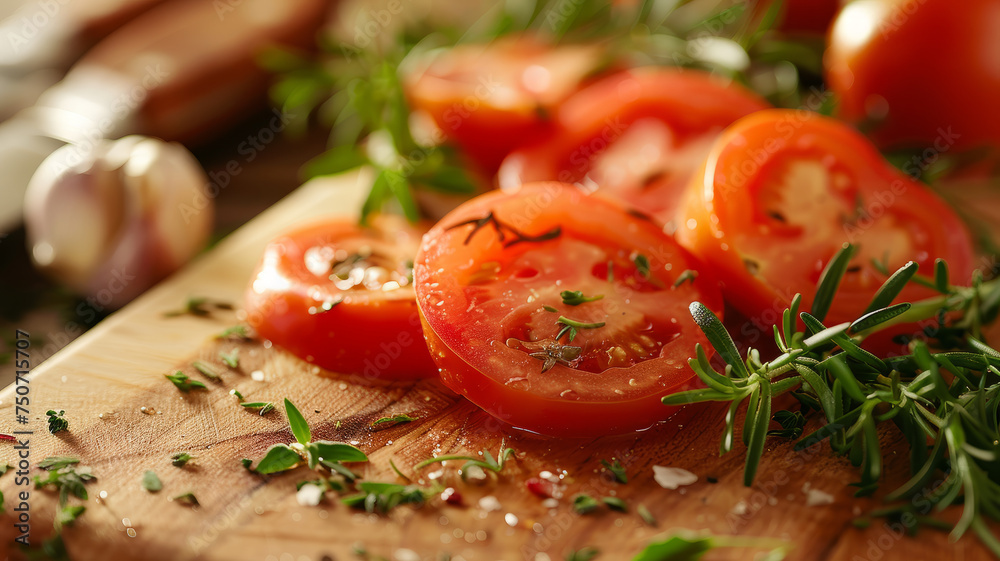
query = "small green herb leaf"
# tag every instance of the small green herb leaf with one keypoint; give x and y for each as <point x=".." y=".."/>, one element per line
<point x="180" y="459"/>
<point x="829" y="281"/>
<point x="231" y="359"/>
<point x="616" y="470"/>
<point x="575" y="297"/>
<point x="584" y="504"/>
<point x="184" y="383"/>
<point x="614" y="503"/>
<point x="206" y="370"/>
<point x="279" y="457"/>
<point x="187" y="499"/>
<point x="264" y="406"/>
<point x="298" y="423"/>
<point x="56" y="421"/>
<point x="151" y="482"/>
<point x="395" y="419"/>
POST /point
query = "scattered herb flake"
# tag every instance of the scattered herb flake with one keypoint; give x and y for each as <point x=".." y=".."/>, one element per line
<point x="395" y="419"/>
<point x="56" y="421"/>
<point x="68" y="515"/>
<point x="614" y="503"/>
<point x="687" y="275"/>
<point x="235" y="392"/>
<point x="616" y="470"/>
<point x="180" y="459"/>
<point x="58" y="462"/>
<point x="584" y="504"/>
<point x="549" y="309"/>
<point x="151" y="482"/>
<point x="575" y="297"/>
<point x="264" y="406"/>
<point x="570" y="327"/>
<point x="206" y="370"/>
<point x="246" y="463"/>
<point x="642" y="265"/>
<point x="185" y="383"/>
<point x="646" y="516"/>
<point x="583" y="554"/>
<point x="187" y="499"/>
<point x="238" y="331"/>
<point x="231" y="359"/>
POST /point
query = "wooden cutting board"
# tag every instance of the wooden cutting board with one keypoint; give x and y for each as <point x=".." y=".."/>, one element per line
<point x="106" y="378"/>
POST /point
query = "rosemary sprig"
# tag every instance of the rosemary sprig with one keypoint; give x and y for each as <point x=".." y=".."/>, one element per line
<point x="856" y="390"/>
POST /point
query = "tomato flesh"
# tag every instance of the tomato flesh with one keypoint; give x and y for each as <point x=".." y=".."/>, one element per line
<point x="341" y="296"/>
<point x="636" y="135"/>
<point x="782" y="191"/>
<point x="492" y="280"/>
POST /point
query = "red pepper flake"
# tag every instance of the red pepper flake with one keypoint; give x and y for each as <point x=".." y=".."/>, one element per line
<point x="540" y="487"/>
<point x="7" y="438"/>
<point x="451" y="496"/>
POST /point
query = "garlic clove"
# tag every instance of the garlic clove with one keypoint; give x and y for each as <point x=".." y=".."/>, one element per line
<point x="113" y="220"/>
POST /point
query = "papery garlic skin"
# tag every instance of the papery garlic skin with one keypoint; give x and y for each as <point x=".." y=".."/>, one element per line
<point x="111" y="220"/>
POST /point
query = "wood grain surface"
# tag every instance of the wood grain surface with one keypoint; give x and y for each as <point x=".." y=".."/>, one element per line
<point x="106" y="377"/>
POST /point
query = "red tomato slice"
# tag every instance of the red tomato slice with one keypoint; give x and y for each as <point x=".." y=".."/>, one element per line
<point x="639" y="135"/>
<point x="950" y="104"/>
<point x="490" y="98"/>
<point x="779" y="194"/>
<point x="490" y="278"/>
<point x="341" y="296"/>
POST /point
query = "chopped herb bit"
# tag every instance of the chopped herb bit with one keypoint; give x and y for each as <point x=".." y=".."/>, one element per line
<point x="584" y="554"/>
<point x="487" y="462"/>
<point x="278" y="458"/>
<point x="231" y="359"/>
<point x="571" y="325"/>
<point x="199" y="307"/>
<point x="56" y="421"/>
<point x="377" y="497"/>
<point x="184" y="383"/>
<point x="584" y="504"/>
<point x="575" y="297"/>
<point x="237" y="331"/>
<point x="329" y="304"/>
<point x="236" y="392"/>
<point x="58" y="462"/>
<point x="264" y="406"/>
<point x="692" y="547"/>
<point x="180" y="459"/>
<point x="64" y="477"/>
<point x="646" y="516"/>
<point x="187" y="499"/>
<point x="68" y="515"/>
<point x="395" y="419"/>
<point x="549" y="309"/>
<point x="396" y="469"/>
<point x="548" y="351"/>
<point x="642" y="265"/>
<point x="151" y="482"/>
<point x="4" y="468"/>
<point x="616" y="470"/>
<point x="687" y="275"/>
<point x="614" y="503"/>
<point x="206" y="370"/>
<point x="611" y="271"/>
<point x="300" y="429"/>
<point x="246" y="463"/>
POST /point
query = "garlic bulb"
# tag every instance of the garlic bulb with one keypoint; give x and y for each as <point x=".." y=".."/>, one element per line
<point x="111" y="220"/>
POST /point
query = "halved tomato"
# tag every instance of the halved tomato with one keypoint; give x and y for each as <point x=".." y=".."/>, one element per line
<point x="783" y="190"/>
<point x="558" y="312"/>
<point x="638" y="134"/>
<point x="341" y="296"/>
<point x="489" y="98"/>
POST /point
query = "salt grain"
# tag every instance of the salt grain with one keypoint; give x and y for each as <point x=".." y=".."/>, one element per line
<point x="672" y="478"/>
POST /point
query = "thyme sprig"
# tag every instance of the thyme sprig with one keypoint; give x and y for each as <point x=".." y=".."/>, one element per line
<point x="944" y="401"/>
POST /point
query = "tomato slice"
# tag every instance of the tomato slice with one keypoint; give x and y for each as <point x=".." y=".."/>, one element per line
<point x="340" y="296"/>
<point x="779" y="194"/>
<point x="558" y="312"/>
<point x="490" y="98"/>
<point x="638" y="134"/>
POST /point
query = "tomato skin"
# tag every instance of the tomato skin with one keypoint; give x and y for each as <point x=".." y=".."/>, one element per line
<point x="465" y="331"/>
<point x="932" y="64"/>
<point x="692" y="104"/>
<point x="726" y="222"/>
<point x="370" y="334"/>
<point x="478" y="95"/>
<point x="803" y="16"/>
